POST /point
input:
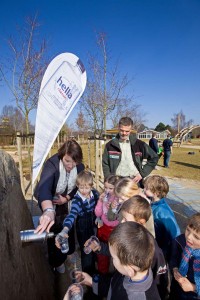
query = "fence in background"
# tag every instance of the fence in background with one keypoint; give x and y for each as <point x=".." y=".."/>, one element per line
<point x="92" y="149"/>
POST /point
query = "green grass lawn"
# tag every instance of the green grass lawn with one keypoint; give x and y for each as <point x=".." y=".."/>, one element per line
<point x="182" y="165"/>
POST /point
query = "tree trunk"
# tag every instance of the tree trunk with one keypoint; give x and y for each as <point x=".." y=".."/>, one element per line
<point x="24" y="270"/>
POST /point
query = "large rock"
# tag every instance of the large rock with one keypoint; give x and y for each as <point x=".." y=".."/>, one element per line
<point x="24" y="270"/>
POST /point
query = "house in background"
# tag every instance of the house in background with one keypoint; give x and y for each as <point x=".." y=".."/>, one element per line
<point x="147" y="134"/>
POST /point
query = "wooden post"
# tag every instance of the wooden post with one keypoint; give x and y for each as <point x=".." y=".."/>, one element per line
<point x="19" y="151"/>
<point x="97" y="163"/>
<point x="89" y="155"/>
<point x="100" y="157"/>
<point x="58" y="140"/>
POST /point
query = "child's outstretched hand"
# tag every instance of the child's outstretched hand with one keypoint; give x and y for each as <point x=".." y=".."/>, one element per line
<point x="61" y="236"/>
<point x="87" y="279"/>
<point x="177" y="275"/>
<point x="73" y="290"/>
<point x="186" y="285"/>
<point x="93" y="245"/>
<point x="99" y="222"/>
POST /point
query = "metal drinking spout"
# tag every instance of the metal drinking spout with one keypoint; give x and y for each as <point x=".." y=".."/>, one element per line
<point x="27" y="236"/>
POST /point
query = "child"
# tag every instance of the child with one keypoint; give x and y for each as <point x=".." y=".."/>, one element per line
<point x="82" y="210"/>
<point x="185" y="262"/>
<point x="126" y="188"/>
<point x="137" y="209"/>
<point x="104" y="229"/>
<point x="133" y="278"/>
<point x="166" y="227"/>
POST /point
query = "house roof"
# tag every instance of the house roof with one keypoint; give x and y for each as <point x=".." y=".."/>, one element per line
<point x="116" y="130"/>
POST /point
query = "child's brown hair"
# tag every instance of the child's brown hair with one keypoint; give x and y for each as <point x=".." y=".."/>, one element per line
<point x="126" y="187"/>
<point x="84" y="178"/>
<point x="138" y="207"/>
<point x="112" y="179"/>
<point x="157" y="185"/>
<point x="134" y="245"/>
<point x="194" y="222"/>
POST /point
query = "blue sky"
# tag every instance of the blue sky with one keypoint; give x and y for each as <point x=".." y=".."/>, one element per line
<point x="156" y="41"/>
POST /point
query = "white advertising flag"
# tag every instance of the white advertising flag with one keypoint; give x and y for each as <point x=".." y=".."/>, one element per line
<point x="62" y="86"/>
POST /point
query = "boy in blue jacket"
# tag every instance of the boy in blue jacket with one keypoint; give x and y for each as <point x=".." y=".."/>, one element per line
<point x="156" y="189"/>
<point x="82" y="212"/>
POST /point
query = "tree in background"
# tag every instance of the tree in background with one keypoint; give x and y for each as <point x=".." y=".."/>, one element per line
<point x="105" y="94"/>
<point x="160" y="127"/>
<point x="128" y="108"/>
<point x="28" y="63"/>
<point x="179" y="121"/>
<point x="16" y="120"/>
<point x="81" y="123"/>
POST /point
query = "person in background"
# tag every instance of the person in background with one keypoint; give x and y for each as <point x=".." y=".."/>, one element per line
<point x="82" y="211"/>
<point x="56" y="188"/>
<point x="124" y="155"/>
<point x="167" y="150"/>
<point x="156" y="189"/>
<point x="105" y="226"/>
<point x="153" y="143"/>
<point x="185" y="262"/>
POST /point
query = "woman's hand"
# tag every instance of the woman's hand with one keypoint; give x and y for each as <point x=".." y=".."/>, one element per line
<point x="46" y="220"/>
<point x="61" y="200"/>
<point x="137" y="178"/>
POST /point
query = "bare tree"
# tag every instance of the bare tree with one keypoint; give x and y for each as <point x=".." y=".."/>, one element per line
<point x="15" y="118"/>
<point x="104" y="96"/>
<point x="27" y="63"/>
<point x="81" y="123"/>
<point x="179" y="121"/>
<point x="128" y="108"/>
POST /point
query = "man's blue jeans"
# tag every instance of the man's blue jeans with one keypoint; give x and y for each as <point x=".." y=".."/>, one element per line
<point x="166" y="158"/>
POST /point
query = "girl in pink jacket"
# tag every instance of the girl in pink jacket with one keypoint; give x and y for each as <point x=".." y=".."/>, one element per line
<point x="105" y="227"/>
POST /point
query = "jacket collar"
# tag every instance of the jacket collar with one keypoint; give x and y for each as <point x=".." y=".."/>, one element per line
<point x="132" y="139"/>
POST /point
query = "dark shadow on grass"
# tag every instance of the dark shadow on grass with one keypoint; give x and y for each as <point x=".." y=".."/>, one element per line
<point x="186" y="164"/>
<point x="182" y="213"/>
